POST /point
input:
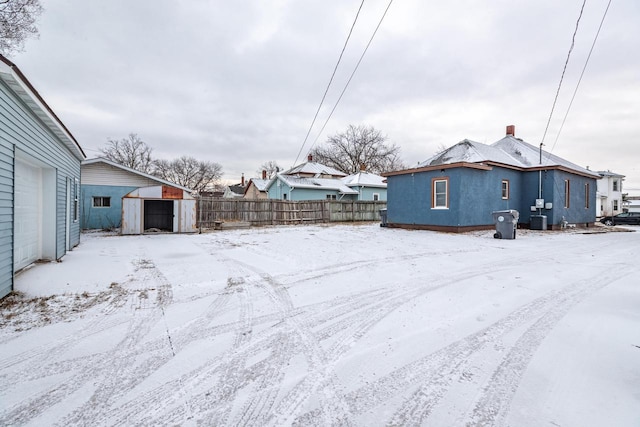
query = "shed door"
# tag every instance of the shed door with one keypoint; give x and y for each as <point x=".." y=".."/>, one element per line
<point x="158" y="214"/>
<point x="27" y="218"/>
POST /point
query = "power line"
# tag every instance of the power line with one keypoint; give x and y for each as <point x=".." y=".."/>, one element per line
<point x="573" y="40"/>
<point x="329" y="84"/>
<point x="581" y="75"/>
<point x="352" y="74"/>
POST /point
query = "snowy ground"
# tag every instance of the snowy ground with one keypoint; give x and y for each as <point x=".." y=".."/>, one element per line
<point x="327" y="325"/>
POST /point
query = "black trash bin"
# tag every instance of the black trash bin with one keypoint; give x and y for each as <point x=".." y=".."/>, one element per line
<point x="383" y="217"/>
<point x="506" y="223"/>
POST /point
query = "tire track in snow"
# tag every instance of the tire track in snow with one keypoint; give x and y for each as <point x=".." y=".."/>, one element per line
<point x="493" y="405"/>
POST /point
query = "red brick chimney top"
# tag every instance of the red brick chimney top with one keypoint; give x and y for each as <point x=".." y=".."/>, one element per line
<point x="242" y="181"/>
<point x="264" y="174"/>
<point x="310" y="158"/>
<point x="511" y="130"/>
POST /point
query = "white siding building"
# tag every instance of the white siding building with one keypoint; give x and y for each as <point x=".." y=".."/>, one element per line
<point x="609" y="194"/>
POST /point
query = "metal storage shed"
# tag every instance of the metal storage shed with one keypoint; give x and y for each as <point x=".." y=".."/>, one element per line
<point x="158" y="208"/>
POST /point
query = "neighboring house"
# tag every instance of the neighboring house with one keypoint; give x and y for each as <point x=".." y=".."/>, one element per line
<point x="104" y="183"/>
<point x="256" y="189"/>
<point x="39" y="178"/>
<point x="368" y="185"/>
<point x="310" y="181"/>
<point x="609" y="193"/>
<point x="235" y="191"/>
<point x="459" y="188"/>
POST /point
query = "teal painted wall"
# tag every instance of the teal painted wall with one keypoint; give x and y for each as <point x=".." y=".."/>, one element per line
<point x="366" y="193"/>
<point x="99" y="218"/>
<point x="22" y="130"/>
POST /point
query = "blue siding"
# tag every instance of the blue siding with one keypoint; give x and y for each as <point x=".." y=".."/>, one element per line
<point x="474" y="194"/>
<point x="103" y="217"/>
<point x="6" y="216"/>
<point x="278" y="191"/>
<point x="21" y="129"/>
<point x="366" y="193"/>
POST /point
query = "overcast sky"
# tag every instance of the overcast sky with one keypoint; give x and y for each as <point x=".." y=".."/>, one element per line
<point x="238" y="82"/>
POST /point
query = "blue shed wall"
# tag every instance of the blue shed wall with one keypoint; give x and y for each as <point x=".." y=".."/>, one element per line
<point x="21" y="129"/>
<point x="102" y="217"/>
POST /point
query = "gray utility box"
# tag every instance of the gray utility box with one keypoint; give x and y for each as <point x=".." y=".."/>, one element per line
<point x="506" y="223"/>
<point x="538" y="222"/>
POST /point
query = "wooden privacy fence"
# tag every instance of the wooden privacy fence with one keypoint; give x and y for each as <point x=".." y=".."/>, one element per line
<point x="284" y="212"/>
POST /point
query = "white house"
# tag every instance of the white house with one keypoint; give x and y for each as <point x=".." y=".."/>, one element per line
<point x="609" y="193"/>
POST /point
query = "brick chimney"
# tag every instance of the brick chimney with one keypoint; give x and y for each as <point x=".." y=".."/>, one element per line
<point x="511" y="130"/>
<point x="264" y="174"/>
<point x="363" y="167"/>
<point x="310" y="158"/>
<point x="242" y="180"/>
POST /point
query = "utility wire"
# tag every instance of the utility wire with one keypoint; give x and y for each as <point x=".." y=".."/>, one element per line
<point x="352" y="74"/>
<point x="581" y="75"/>
<point x="330" y="81"/>
<point x="573" y="40"/>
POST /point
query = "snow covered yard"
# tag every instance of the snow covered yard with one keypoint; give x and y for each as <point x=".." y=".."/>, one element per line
<point x="327" y="325"/>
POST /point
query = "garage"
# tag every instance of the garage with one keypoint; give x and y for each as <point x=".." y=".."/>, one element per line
<point x="34" y="204"/>
<point x="28" y="197"/>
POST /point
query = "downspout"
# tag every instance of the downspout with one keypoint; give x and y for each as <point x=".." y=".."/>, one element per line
<point x="540" y="180"/>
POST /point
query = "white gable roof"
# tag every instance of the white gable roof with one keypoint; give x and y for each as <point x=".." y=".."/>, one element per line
<point x="314" y="169"/>
<point x="365" y="179"/>
<point x="316" y="183"/>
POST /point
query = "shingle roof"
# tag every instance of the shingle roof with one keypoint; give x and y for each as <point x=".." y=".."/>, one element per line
<point x="508" y="151"/>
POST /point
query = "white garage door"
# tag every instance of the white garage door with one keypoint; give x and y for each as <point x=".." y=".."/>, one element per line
<point x="27" y="219"/>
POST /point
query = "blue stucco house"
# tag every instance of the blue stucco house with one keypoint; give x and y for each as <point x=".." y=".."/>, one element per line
<point x="104" y="183"/>
<point x="39" y="179"/>
<point x="458" y="189"/>
<point x="310" y="181"/>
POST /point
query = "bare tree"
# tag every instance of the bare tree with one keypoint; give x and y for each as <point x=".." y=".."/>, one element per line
<point x="359" y="146"/>
<point x="17" y="23"/>
<point x="131" y="152"/>
<point x="271" y="167"/>
<point x="189" y="172"/>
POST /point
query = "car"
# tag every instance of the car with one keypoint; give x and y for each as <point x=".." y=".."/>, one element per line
<point x="623" y="218"/>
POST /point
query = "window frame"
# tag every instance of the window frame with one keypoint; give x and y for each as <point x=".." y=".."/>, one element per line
<point x="376" y="197"/>
<point x="102" y="205"/>
<point x="567" y="193"/>
<point x="586" y="195"/>
<point x="615" y="186"/>
<point x="434" y="193"/>
<point x="332" y="197"/>
<point x="505" y="186"/>
<point x="76" y="200"/>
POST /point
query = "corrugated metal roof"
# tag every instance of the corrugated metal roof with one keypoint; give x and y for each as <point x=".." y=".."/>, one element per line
<point x="365" y="179"/>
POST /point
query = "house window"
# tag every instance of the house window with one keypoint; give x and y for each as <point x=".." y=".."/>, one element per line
<point x="440" y="193"/>
<point x="566" y="193"/>
<point x="284" y="196"/>
<point x="615" y="185"/>
<point x="331" y="197"/>
<point x="586" y="195"/>
<point x="615" y="205"/>
<point x="76" y="200"/>
<point x="101" y="202"/>
<point x="505" y="189"/>
<point x="376" y="197"/>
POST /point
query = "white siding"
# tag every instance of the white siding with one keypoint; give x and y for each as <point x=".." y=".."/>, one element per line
<point x="104" y="174"/>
